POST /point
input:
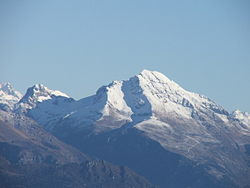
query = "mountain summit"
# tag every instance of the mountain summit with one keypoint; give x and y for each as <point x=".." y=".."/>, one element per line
<point x="148" y="95"/>
<point x="126" y="121"/>
<point x="43" y="104"/>
<point x="8" y="96"/>
<point x="37" y="94"/>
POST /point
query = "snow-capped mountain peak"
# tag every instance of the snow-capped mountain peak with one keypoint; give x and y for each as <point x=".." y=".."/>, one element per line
<point x="8" y="96"/>
<point x="154" y="76"/>
<point x="244" y="117"/>
<point x="159" y="88"/>
<point x="147" y="95"/>
<point x="152" y="105"/>
<point x="37" y="94"/>
<point x="108" y="102"/>
<point x="7" y="89"/>
<point x="166" y="96"/>
<point x="40" y="89"/>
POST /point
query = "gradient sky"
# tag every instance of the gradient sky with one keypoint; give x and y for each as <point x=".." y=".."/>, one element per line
<point x="78" y="46"/>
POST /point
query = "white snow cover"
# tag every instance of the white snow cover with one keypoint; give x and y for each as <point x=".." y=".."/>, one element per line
<point x="8" y="95"/>
<point x="115" y="99"/>
<point x="244" y="117"/>
<point x="37" y="94"/>
<point x="165" y="96"/>
<point x="43" y="104"/>
<point x="107" y="103"/>
<point x="148" y="95"/>
<point x="145" y="96"/>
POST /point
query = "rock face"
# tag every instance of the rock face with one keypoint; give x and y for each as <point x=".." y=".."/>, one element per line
<point x="155" y="127"/>
<point x="31" y="157"/>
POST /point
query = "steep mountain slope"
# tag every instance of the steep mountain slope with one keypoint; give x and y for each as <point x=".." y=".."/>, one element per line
<point x="31" y="143"/>
<point x="31" y="157"/>
<point x="8" y="96"/>
<point x="202" y="135"/>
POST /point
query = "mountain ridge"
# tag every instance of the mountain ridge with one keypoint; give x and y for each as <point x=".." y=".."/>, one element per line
<point x="182" y="122"/>
<point x="144" y="73"/>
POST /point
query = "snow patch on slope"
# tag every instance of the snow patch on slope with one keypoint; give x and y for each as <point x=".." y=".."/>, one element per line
<point x="115" y="100"/>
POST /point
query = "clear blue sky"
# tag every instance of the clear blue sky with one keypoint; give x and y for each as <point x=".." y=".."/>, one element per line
<point x="77" y="46"/>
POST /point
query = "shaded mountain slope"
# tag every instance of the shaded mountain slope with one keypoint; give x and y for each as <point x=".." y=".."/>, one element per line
<point x="130" y="147"/>
<point x="31" y="157"/>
